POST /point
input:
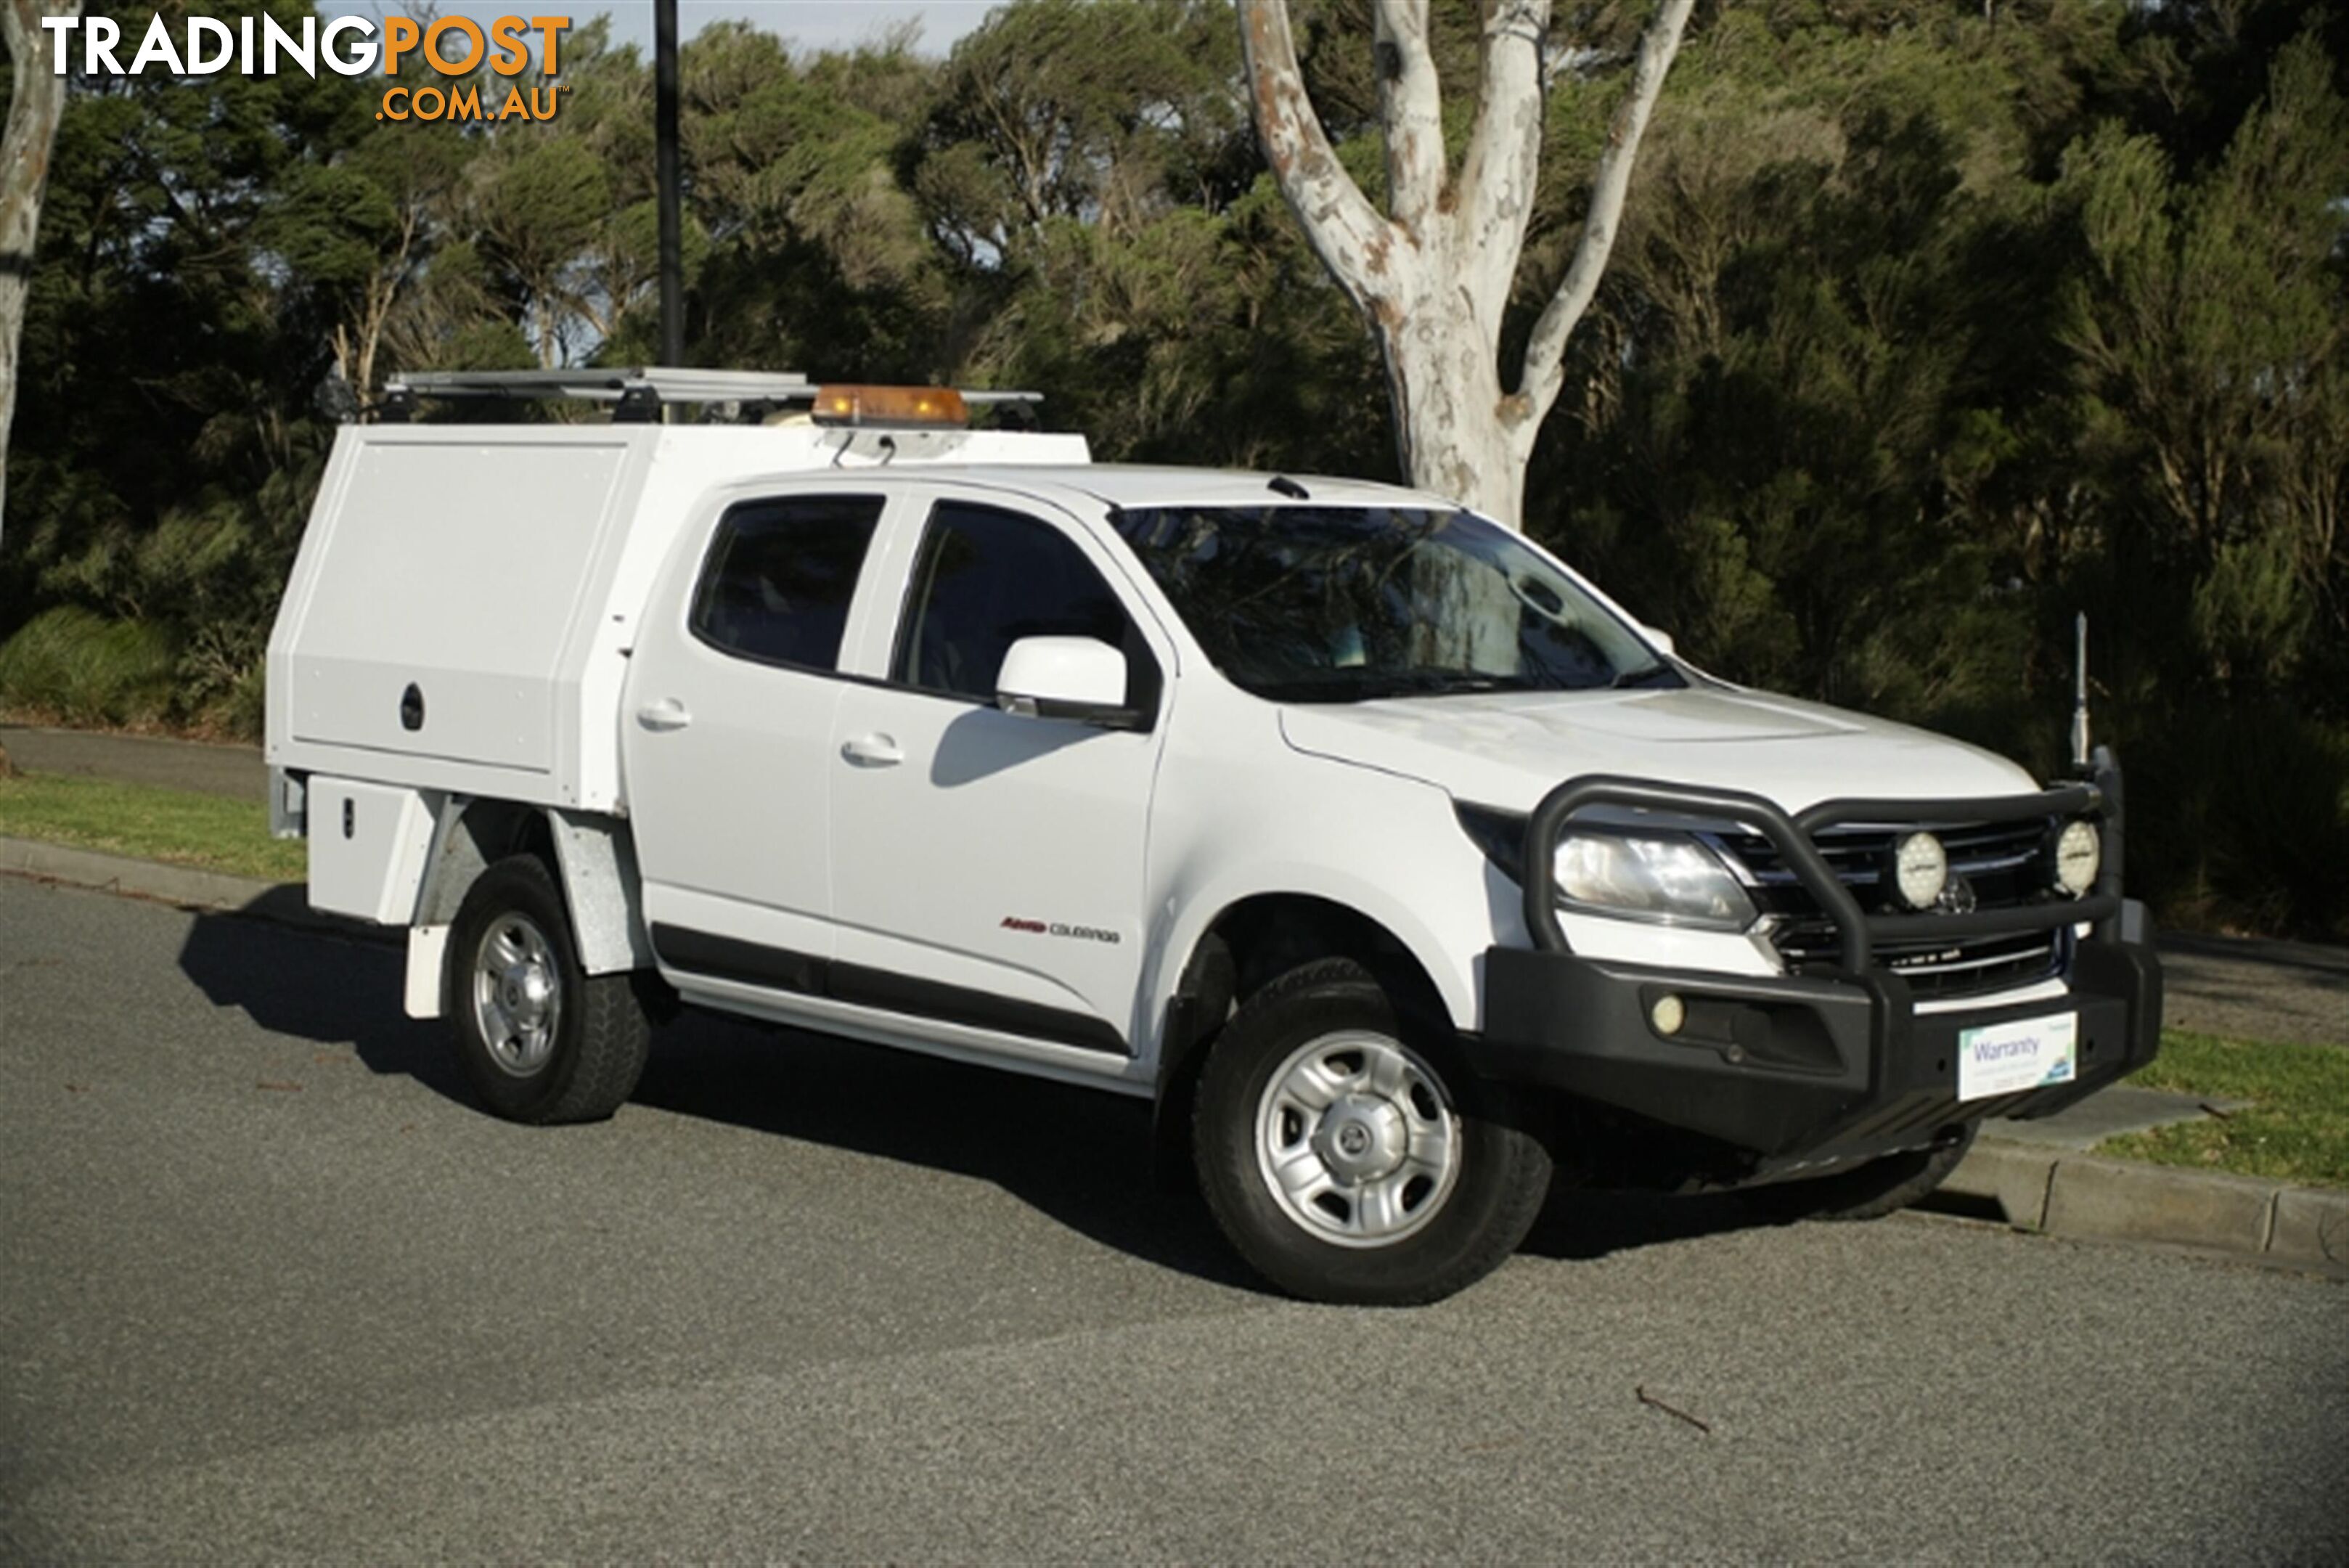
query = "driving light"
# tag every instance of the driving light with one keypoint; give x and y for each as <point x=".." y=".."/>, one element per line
<point x="2079" y="855"/>
<point x="1670" y="880"/>
<point x="1920" y="869"/>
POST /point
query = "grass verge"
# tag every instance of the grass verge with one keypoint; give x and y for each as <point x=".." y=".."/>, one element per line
<point x="205" y="831"/>
<point x="2295" y="1129"/>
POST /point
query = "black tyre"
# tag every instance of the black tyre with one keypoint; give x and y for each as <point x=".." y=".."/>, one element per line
<point x="541" y="1041"/>
<point x="1350" y="1159"/>
<point x="1868" y="1192"/>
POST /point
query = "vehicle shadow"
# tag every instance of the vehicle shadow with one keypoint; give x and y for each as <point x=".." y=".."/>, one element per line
<point x="1578" y="1224"/>
<point x="320" y="987"/>
<point x="1078" y="1156"/>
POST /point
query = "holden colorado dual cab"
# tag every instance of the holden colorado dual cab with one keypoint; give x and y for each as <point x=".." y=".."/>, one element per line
<point x="1390" y="859"/>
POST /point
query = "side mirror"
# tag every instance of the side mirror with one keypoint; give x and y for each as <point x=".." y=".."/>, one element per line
<point x="1079" y="678"/>
<point x="1660" y="640"/>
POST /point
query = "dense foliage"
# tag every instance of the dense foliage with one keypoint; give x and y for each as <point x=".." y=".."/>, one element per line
<point x="1933" y="323"/>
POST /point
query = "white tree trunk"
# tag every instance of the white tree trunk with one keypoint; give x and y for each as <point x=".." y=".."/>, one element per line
<point x="1434" y="275"/>
<point x="35" y="103"/>
<point x="1443" y="379"/>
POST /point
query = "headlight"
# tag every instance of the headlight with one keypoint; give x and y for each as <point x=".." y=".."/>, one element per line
<point x="1670" y="880"/>
<point x="1920" y="869"/>
<point x="2079" y="855"/>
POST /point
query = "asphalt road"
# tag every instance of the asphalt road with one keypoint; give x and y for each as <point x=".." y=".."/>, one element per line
<point x="270" y="1289"/>
<point x="2256" y="990"/>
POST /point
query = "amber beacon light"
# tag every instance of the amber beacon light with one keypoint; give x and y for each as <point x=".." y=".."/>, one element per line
<point x="890" y="406"/>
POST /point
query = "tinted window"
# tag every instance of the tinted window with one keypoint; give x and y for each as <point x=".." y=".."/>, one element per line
<point x="779" y="576"/>
<point x="984" y="579"/>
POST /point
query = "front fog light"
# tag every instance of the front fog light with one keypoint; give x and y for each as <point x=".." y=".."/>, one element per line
<point x="2079" y="855"/>
<point x="1920" y="869"/>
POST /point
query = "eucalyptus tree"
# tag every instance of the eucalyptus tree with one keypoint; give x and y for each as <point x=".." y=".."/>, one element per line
<point x="37" y="98"/>
<point x="1435" y="272"/>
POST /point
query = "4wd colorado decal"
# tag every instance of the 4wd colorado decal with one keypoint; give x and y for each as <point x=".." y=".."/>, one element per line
<point x="1056" y="929"/>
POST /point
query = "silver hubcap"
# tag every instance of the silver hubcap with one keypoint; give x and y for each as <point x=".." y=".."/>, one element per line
<point x="1357" y="1141"/>
<point x="517" y="994"/>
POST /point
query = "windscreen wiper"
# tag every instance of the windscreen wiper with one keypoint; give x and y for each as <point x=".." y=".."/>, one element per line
<point x="1373" y="688"/>
<point x="1444" y="682"/>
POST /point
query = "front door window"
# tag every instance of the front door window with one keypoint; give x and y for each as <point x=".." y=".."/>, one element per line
<point x="984" y="579"/>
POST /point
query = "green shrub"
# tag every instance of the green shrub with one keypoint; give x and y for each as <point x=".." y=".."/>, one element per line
<point x="2239" y="817"/>
<point x="240" y="712"/>
<point x="82" y="668"/>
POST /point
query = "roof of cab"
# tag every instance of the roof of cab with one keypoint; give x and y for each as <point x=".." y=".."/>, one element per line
<point x="1137" y="484"/>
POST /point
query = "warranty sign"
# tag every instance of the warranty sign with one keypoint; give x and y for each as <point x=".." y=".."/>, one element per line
<point x="2028" y="1054"/>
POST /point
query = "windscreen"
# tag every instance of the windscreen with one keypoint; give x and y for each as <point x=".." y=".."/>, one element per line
<point x="1343" y="604"/>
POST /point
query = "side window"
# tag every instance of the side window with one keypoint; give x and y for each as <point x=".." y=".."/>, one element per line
<point x="776" y="585"/>
<point x="985" y="578"/>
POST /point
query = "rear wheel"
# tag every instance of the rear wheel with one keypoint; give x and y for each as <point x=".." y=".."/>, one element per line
<point x="540" y="1039"/>
<point x="1348" y="1160"/>
<point x="1869" y="1191"/>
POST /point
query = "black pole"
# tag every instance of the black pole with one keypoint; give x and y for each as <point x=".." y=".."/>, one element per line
<point x="665" y="158"/>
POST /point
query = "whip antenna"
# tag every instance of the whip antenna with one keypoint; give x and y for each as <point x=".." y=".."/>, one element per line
<point x="2080" y="691"/>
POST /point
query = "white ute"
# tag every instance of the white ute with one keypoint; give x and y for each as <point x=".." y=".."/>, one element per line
<point x="1391" y="858"/>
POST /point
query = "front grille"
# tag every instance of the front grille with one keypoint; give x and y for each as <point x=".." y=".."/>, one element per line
<point x="2005" y="861"/>
<point x="2005" y="864"/>
<point x="1939" y="969"/>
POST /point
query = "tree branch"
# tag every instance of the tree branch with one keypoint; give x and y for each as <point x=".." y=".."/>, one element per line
<point x="1546" y="351"/>
<point x="1345" y="231"/>
<point x="1410" y="108"/>
<point x="1498" y="175"/>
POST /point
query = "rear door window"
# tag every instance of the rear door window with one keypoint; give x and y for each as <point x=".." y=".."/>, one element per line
<point x="776" y="585"/>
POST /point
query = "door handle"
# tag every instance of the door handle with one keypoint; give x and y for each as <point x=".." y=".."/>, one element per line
<point x="874" y="750"/>
<point x="668" y="713"/>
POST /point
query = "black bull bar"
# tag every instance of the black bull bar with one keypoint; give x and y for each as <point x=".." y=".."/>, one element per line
<point x="1857" y="933"/>
<point x="1810" y="1068"/>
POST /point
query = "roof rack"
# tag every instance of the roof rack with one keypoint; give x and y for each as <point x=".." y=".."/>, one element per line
<point x="635" y="392"/>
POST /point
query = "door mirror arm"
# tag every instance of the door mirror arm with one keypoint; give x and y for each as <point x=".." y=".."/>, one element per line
<point x="1099" y="716"/>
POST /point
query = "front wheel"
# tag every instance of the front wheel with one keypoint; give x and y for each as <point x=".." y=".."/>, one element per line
<point x="540" y="1039"/>
<point x="1348" y="1161"/>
